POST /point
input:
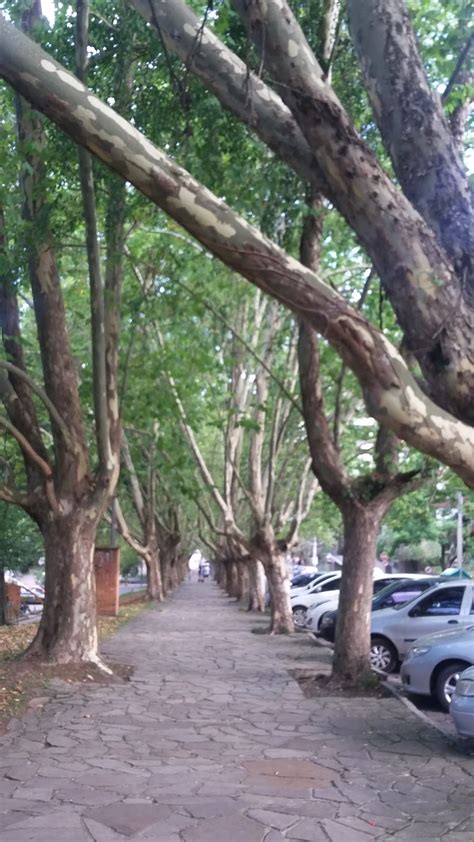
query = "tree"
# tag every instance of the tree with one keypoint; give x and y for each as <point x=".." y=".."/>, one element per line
<point x="262" y="489"/>
<point x="392" y="393"/>
<point x="63" y="495"/>
<point x="420" y="254"/>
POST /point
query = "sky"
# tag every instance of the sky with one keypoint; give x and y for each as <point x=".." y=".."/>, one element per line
<point x="48" y="9"/>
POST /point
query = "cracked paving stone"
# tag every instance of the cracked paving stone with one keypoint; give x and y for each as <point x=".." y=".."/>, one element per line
<point x="128" y="819"/>
<point x="213" y="734"/>
<point x="340" y="833"/>
<point x="102" y="833"/>
<point x="280" y="821"/>
<point x="237" y="828"/>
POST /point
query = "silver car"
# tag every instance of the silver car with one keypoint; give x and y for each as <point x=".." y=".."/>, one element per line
<point x="433" y="664"/>
<point x="440" y="608"/>
<point x="462" y="704"/>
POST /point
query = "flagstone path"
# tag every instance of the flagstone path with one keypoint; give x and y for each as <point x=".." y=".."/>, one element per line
<point x="212" y="740"/>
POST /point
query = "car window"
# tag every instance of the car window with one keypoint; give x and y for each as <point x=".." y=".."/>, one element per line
<point x="472" y="605"/>
<point x="407" y="594"/>
<point x="381" y="584"/>
<point x="332" y="585"/>
<point x="444" y="602"/>
<point x="302" y="580"/>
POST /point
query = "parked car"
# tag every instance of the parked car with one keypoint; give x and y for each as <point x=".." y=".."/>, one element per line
<point x="433" y="664"/>
<point x="311" y="586"/>
<point x="394" y="630"/>
<point x="301" y="580"/>
<point x="317" y="594"/>
<point x="402" y="588"/>
<point x="31" y="600"/>
<point x="462" y="704"/>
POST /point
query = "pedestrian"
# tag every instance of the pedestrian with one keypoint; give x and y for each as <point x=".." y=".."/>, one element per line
<point x="201" y="571"/>
<point x="385" y="563"/>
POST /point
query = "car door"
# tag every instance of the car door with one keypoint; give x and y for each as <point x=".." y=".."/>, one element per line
<point x="442" y="609"/>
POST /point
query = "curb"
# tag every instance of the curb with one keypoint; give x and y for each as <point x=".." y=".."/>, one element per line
<point x="413" y="709"/>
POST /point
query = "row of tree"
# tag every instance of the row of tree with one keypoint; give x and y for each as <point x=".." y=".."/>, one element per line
<point x="351" y="208"/>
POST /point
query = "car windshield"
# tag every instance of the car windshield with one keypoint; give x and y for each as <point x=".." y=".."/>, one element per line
<point x="387" y="590"/>
<point x="303" y="579"/>
<point x="402" y="592"/>
<point x="413" y="598"/>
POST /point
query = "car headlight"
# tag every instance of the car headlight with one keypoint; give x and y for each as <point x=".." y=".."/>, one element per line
<point x="419" y="650"/>
<point x="326" y="621"/>
<point x="465" y="687"/>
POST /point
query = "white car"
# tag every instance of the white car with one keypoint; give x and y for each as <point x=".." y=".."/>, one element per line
<point x="317" y="612"/>
<point x="305" y="589"/>
<point x="319" y="593"/>
<point x="441" y="608"/>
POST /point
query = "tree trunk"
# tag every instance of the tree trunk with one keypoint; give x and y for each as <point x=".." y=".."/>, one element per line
<point x="2" y="596"/>
<point x="218" y="572"/>
<point x="154" y="584"/>
<point x="173" y="577"/>
<point x="182" y="568"/>
<point x="68" y="629"/>
<point x="257" y="586"/>
<point x="361" y="527"/>
<point x="165" y="572"/>
<point x="279" y="586"/>
<point x="242" y="584"/>
<point x="232" y="580"/>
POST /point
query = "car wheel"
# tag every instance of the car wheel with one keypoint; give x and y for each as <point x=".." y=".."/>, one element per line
<point x="299" y="615"/>
<point x="383" y="655"/>
<point x="320" y="621"/>
<point x="446" y="681"/>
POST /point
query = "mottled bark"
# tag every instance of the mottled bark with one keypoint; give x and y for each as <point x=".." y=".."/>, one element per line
<point x="64" y="497"/>
<point x="416" y="133"/>
<point x="97" y="304"/>
<point x="228" y="77"/>
<point x="154" y="585"/>
<point x="425" y="288"/>
<point x="274" y="564"/>
<point x="362" y="501"/>
<point x="391" y="393"/>
<point x="351" y="654"/>
<point x="257" y="586"/>
<point x="67" y="631"/>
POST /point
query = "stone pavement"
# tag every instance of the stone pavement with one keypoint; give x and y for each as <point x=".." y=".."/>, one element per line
<point x="213" y="741"/>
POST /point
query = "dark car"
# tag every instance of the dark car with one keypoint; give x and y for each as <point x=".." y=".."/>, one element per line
<point x="395" y="594"/>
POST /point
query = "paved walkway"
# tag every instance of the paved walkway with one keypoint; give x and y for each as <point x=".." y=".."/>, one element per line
<point x="213" y="741"/>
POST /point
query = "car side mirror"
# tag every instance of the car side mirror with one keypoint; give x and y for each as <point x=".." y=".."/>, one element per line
<point x="318" y="589"/>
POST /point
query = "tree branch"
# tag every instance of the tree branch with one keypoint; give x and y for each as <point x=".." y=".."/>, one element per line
<point x="26" y="447"/>
<point x="99" y="374"/>
<point x="458" y="68"/>
<point x="131" y="540"/>
<point x="414" y="128"/>
<point x="25" y="501"/>
<point x="53" y="413"/>
<point x="390" y="392"/>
